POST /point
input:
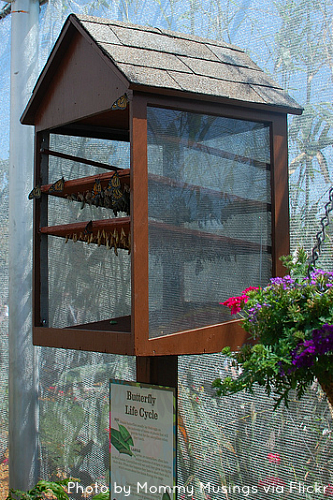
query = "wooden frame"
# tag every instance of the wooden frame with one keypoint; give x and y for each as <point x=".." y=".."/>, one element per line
<point x="212" y="338"/>
<point x="98" y="336"/>
<point x="131" y="336"/>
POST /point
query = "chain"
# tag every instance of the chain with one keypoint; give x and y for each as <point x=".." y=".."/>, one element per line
<point x="320" y="236"/>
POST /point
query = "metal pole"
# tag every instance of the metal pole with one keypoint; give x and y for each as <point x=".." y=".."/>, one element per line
<point x="23" y="366"/>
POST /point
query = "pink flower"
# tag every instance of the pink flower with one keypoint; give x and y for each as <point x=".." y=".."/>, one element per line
<point x="271" y="481"/>
<point x="249" y="289"/>
<point x="234" y="303"/>
<point x="328" y="490"/>
<point x="244" y="298"/>
<point x="274" y="458"/>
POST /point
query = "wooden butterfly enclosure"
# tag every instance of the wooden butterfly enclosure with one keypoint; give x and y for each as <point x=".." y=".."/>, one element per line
<point x="157" y="194"/>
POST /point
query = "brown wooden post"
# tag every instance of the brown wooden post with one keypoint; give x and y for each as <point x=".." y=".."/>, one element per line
<point x="139" y="215"/>
<point x="280" y="194"/>
<point x="163" y="371"/>
<point x="40" y="259"/>
<point x="158" y="370"/>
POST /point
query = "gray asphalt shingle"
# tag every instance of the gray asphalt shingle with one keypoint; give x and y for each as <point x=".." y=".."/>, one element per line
<point x="153" y="57"/>
<point x="144" y="58"/>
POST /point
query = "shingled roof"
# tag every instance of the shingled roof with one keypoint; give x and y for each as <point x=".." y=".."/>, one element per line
<point x="153" y="57"/>
<point x="161" y="61"/>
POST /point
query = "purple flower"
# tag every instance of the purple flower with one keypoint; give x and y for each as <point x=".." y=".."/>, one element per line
<point x="253" y="312"/>
<point x="286" y="282"/>
<point x="321" y="278"/>
<point x="307" y="351"/>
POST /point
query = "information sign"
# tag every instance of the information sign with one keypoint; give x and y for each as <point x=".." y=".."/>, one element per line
<point x="142" y="441"/>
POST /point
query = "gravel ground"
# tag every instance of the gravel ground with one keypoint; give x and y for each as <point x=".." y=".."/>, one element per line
<point x="4" y="477"/>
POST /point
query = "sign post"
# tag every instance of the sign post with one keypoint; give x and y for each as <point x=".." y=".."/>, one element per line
<point x="142" y="441"/>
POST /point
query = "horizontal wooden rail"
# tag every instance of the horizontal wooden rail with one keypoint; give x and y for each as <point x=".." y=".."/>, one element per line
<point x="83" y="184"/>
<point x="249" y="204"/>
<point x="186" y="237"/>
<point x="113" y="233"/>
<point x="189" y="143"/>
<point x="79" y="159"/>
<point x="86" y="340"/>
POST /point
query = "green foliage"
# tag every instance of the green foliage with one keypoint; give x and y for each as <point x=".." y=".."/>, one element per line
<point x="56" y="488"/>
<point x="279" y="318"/>
<point x="60" y="423"/>
<point x="297" y="267"/>
<point x="311" y="133"/>
<point x="49" y="489"/>
<point x="102" y="496"/>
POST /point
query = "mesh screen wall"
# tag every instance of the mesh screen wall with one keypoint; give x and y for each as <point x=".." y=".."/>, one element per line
<point x="237" y="447"/>
<point x="4" y="229"/>
<point x="87" y="283"/>
<point x="231" y="438"/>
<point x="208" y="208"/>
<point x="74" y="412"/>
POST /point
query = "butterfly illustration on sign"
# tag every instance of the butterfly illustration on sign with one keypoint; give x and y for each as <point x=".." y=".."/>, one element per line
<point x="122" y="440"/>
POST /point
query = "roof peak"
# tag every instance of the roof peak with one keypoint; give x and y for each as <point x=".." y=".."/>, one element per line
<point x="161" y="31"/>
<point x="155" y="60"/>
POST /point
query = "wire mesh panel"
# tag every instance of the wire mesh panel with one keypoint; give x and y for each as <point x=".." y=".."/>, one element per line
<point x="74" y="413"/>
<point x="87" y="283"/>
<point x="105" y="152"/>
<point x="236" y="447"/>
<point x="209" y="215"/>
<point x="88" y="278"/>
<point x="4" y="351"/>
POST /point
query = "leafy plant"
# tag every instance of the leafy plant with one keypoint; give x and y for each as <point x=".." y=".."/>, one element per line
<point x="40" y="489"/>
<point x="291" y="322"/>
<point x="50" y="489"/>
<point x="105" y="495"/>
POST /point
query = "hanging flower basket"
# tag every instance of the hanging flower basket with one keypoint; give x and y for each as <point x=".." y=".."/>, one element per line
<point x="290" y="322"/>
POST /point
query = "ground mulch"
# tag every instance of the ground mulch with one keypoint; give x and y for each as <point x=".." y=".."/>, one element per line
<point x="4" y="477"/>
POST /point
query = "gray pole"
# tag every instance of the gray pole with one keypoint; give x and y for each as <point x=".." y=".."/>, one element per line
<point x="23" y="366"/>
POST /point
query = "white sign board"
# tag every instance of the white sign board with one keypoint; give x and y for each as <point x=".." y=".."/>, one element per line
<point x="142" y="441"/>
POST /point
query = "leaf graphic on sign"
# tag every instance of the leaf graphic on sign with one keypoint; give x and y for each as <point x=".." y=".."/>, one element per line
<point x="166" y="496"/>
<point x="125" y="435"/>
<point x="119" y="443"/>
